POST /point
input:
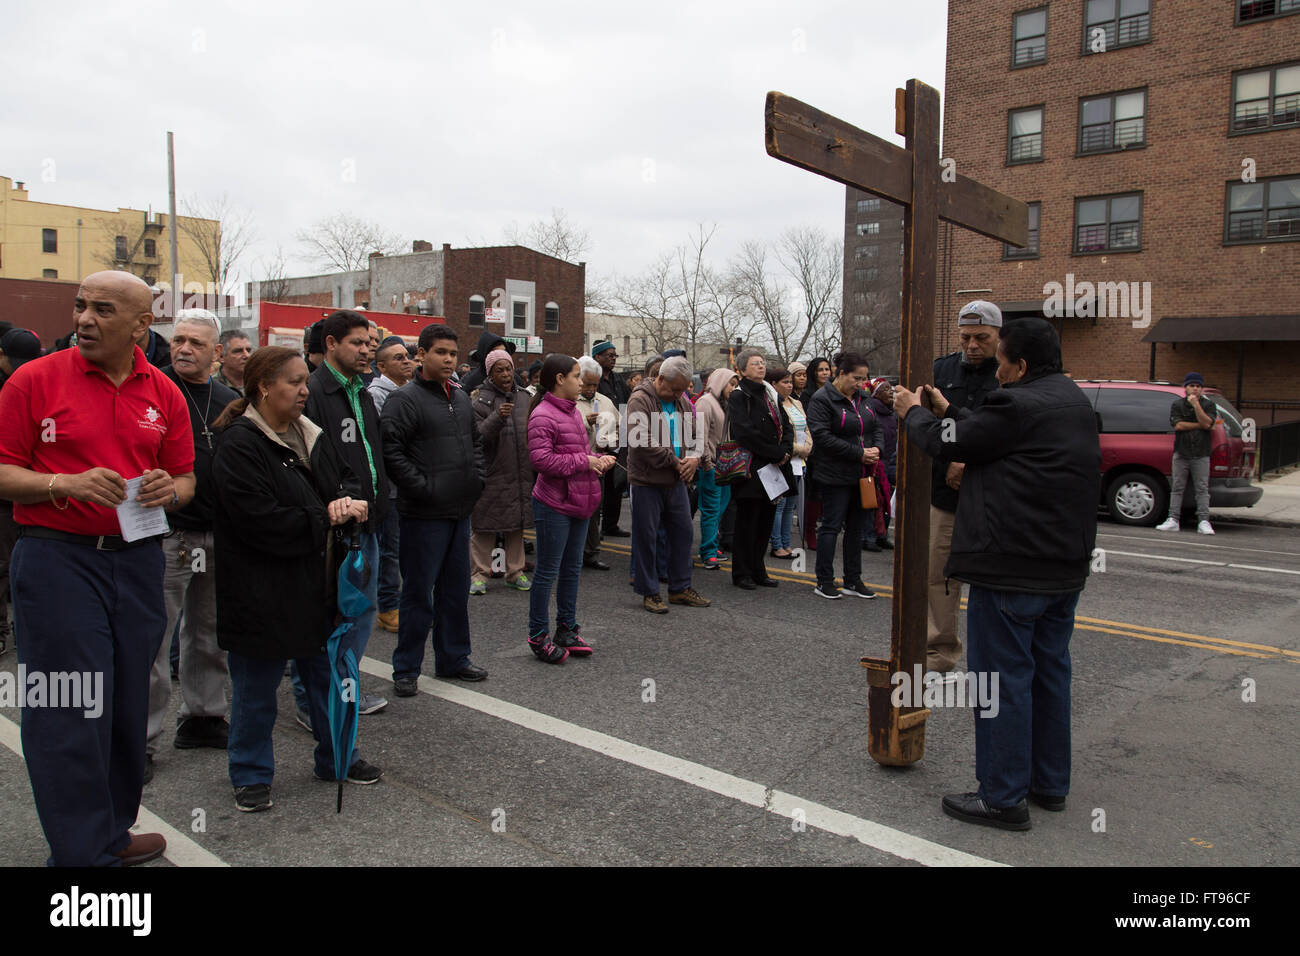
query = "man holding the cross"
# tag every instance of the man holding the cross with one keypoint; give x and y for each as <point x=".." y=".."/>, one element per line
<point x="1023" y="539"/>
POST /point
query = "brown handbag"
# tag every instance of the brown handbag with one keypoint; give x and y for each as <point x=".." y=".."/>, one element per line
<point x="867" y="487"/>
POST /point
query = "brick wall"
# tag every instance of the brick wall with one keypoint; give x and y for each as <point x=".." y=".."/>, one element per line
<point x="1186" y="69"/>
<point x="470" y="272"/>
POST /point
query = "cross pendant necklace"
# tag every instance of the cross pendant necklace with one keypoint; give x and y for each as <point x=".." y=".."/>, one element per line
<point x="207" y="432"/>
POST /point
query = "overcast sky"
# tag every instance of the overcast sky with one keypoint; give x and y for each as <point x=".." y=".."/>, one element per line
<point x="447" y="122"/>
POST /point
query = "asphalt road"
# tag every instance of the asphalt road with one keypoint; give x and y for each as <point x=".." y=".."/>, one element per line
<point x="753" y="748"/>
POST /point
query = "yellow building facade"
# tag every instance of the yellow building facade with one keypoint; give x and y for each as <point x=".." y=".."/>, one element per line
<point x="40" y="240"/>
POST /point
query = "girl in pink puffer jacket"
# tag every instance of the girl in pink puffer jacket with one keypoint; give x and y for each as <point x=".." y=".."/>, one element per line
<point x="565" y="495"/>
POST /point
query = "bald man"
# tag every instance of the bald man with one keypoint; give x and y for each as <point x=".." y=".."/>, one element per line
<point x="75" y="428"/>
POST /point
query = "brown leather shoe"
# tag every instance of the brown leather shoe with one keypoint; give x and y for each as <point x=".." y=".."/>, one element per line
<point x="142" y="848"/>
<point x="689" y="597"/>
<point x="387" y="620"/>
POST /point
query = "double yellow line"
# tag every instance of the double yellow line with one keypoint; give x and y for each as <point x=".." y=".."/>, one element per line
<point x="1100" y="625"/>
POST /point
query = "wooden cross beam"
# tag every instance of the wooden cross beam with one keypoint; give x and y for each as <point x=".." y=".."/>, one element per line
<point x="810" y="139"/>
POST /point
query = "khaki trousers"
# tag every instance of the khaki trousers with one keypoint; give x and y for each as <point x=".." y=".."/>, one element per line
<point x="943" y="645"/>
<point x="481" y="544"/>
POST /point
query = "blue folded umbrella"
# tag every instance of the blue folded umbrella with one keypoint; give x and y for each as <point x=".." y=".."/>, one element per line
<point x="345" y="675"/>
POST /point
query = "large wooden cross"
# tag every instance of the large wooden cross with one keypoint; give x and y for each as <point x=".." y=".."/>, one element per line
<point x="806" y="137"/>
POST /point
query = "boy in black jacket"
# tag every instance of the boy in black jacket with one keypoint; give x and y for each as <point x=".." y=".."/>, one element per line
<point x="433" y="453"/>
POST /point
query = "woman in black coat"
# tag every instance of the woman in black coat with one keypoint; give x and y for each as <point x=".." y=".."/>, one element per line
<point x="760" y="426"/>
<point x="280" y="491"/>
<point x="846" y="445"/>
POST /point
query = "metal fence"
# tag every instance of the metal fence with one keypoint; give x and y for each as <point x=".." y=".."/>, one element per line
<point x="1279" y="446"/>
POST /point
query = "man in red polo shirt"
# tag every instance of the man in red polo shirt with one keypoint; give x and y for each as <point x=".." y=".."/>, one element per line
<point x="75" y="427"/>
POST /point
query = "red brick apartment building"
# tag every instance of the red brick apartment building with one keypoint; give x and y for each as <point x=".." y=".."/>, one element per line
<point x="1157" y="141"/>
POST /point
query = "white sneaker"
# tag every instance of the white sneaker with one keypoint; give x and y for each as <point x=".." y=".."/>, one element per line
<point x="1170" y="524"/>
<point x="1204" y="528"/>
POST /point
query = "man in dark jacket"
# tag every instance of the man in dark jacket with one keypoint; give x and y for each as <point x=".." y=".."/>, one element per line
<point x="1023" y="539"/>
<point x="478" y="374"/>
<point x="435" y="457"/>
<point x="337" y="401"/>
<point x="613" y="387"/>
<point x="965" y="379"/>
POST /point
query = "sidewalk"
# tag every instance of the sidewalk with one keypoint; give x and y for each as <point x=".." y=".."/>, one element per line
<point x="1280" y="504"/>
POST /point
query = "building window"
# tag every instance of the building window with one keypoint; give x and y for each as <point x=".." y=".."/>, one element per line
<point x="552" y="317"/>
<point x="1110" y="123"/>
<point x="1108" y="224"/>
<point x="49" y="240"/>
<point x="119" y="247"/>
<point x="150" y="249"/>
<point x="1266" y="99"/>
<point x="868" y="229"/>
<point x="868" y="205"/>
<point x="476" y="308"/>
<point x="627" y="345"/>
<point x="1031" y="250"/>
<point x="1029" y="37"/>
<point x="866" y="252"/>
<point x="519" y="315"/>
<point x="860" y="299"/>
<point x="866" y="275"/>
<point x="49" y="273"/>
<point x="1025" y="135"/>
<point x="1109" y="24"/>
<point x="643" y="345"/>
<point x="1268" y="209"/>
<point x="1250" y="10"/>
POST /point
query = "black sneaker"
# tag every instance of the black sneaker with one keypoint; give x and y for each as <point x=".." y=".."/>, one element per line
<point x="406" y="686"/>
<point x="858" y="590"/>
<point x="360" y="772"/>
<point x="194" y="732"/>
<point x="253" y="799"/>
<point x="1047" y="801"/>
<point x="570" y="638"/>
<point x="971" y="808"/>
<point x="829" y="591"/>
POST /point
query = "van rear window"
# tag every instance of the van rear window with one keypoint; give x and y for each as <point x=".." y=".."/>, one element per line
<point x="1134" y="410"/>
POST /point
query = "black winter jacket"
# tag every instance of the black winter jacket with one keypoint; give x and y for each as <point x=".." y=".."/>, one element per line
<point x="753" y="427"/>
<point x="965" y="386"/>
<point x="841" y="431"/>
<point x="276" y="587"/>
<point x="328" y="407"/>
<point x="1027" y="515"/>
<point x="432" y="450"/>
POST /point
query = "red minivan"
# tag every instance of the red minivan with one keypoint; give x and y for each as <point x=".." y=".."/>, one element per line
<point x="1137" y="451"/>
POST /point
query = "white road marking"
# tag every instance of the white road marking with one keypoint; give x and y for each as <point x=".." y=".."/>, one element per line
<point x="1217" y="564"/>
<point x="181" y="850"/>
<point x="1173" y="541"/>
<point x="867" y="832"/>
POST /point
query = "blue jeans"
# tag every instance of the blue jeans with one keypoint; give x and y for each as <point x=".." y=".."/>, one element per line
<point x="253" y="684"/>
<point x="783" y="522"/>
<point x="1025" y="640"/>
<point x="99" y="614"/>
<point x="435" y="592"/>
<point x="560" y="541"/>
<point x="360" y="636"/>
<point x="390" y="574"/>
<point x="713" y="502"/>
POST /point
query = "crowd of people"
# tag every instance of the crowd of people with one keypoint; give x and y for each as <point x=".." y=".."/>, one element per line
<point x="268" y="460"/>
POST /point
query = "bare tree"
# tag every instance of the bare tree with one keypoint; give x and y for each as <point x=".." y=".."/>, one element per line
<point x="694" y="301"/>
<point x="765" y="298"/>
<point x="731" y="320"/>
<point x="275" y="286"/>
<point x="344" y="242"/>
<point x="814" y="261"/>
<point x="220" y="233"/>
<point x="556" y="236"/>
<point x="651" y="299"/>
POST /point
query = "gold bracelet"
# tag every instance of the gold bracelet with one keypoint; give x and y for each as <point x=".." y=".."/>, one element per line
<point x="49" y="490"/>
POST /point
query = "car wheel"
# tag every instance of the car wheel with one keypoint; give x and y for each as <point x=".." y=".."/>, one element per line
<point x="1136" y="498"/>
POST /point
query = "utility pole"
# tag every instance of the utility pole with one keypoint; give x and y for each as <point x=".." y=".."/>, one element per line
<point x="171" y="222"/>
